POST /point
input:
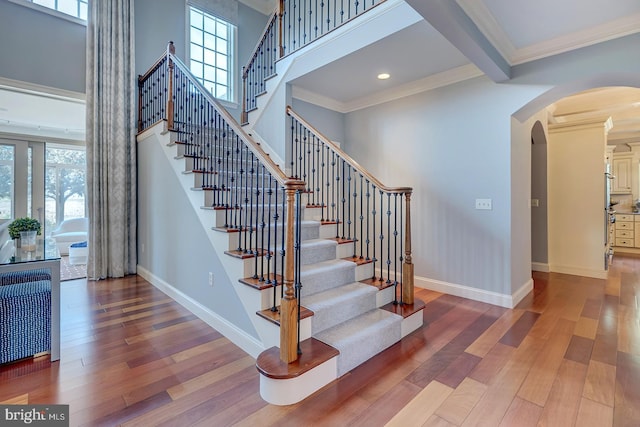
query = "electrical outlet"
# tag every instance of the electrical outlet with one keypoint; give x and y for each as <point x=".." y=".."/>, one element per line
<point x="210" y="278"/>
<point x="484" y="204"/>
<point x="535" y="203"/>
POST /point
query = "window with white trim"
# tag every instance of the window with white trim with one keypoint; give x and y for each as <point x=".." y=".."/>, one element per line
<point x="77" y="8"/>
<point x="211" y="47"/>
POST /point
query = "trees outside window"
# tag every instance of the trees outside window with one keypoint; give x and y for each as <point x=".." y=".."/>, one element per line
<point x="64" y="184"/>
<point x="6" y="181"/>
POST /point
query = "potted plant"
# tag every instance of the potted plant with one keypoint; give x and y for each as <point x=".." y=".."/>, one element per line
<point x="23" y="224"/>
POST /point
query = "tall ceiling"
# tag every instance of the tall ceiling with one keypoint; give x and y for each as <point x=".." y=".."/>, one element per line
<point x="460" y="38"/>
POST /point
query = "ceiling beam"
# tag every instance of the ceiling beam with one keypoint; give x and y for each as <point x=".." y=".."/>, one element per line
<point x="452" y="22"/>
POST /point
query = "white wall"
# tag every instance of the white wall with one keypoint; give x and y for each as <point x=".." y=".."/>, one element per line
<point x="576" y="199"/>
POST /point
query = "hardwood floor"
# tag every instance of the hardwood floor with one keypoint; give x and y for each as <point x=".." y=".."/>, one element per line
<point x="569" y="354"/>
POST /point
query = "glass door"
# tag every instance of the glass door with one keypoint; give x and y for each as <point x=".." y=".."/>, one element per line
<point x="64" y="183"/>
<point x="21" y="180"/>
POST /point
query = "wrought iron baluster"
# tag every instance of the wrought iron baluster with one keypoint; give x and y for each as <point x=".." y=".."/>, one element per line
<point x="361" y="236"/>
<point x="343" y="200"/>
<point x="381" y="235"/>
<point x="368" y="241"/>
<point x="388" y="237"/>
<point x="261" y="190"/>
<point x="395" y="239"/>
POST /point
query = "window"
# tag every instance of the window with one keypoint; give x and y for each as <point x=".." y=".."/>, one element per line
<point x="6" y="181"/>
<point x="211" y="53"/>
<point x="64" y="184"/>
<point x="77" y="8"/>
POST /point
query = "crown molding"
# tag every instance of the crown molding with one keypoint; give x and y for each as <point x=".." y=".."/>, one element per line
<point x="431" y="82"/>
<point x="489" y="26"/>
<point x="492" y="30"/>
<point x="40" y="90"/>
<point x="604" y="122"/>
<point x="588" y="37"/>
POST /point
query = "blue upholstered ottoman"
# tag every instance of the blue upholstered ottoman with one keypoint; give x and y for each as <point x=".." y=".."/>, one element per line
<point x="25" y="314"/>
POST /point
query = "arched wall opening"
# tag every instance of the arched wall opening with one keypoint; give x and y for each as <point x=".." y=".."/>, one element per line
<point x="539" y="241"/>
<point x="523" y="122"/>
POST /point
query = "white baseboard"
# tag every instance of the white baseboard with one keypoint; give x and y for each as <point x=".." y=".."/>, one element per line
<point x="495" y="298"/>
<point x="246" y="342"/>
<point x="540" y="266"/>
<point x="577" y="271"/>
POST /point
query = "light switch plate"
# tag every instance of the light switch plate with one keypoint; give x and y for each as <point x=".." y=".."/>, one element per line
<point x="484" y="204"/>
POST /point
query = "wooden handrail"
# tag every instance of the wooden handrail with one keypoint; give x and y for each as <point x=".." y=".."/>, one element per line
<point x="255" y="51"/>
<point x="347" y="158"/>
<point x="271" y="166"/>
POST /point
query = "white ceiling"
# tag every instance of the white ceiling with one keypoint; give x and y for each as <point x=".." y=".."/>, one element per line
<point x="464" y="39"/>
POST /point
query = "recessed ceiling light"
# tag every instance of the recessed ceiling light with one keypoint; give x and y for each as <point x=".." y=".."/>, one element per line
<point x="383" y="76"/>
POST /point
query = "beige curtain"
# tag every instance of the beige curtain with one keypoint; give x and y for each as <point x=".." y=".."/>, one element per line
<point x="111" y="148"/>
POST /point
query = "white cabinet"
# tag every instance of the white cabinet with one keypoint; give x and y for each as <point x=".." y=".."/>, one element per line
<point x="622" y="175"/>
<point x="625" y="231"/>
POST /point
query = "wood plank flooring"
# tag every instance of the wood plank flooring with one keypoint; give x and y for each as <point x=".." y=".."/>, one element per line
<point x="569" y="354"/>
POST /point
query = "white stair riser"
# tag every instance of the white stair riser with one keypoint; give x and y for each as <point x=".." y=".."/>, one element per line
<point x="385" y="296"/>
<point x="270" y="332"/>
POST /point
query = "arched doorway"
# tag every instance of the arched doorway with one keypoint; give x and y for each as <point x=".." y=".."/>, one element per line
<point x="539" y="240"/>
<point x="526" y="118"/>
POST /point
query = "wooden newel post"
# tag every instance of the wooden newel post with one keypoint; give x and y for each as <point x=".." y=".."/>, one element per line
<point x="289" y="303"/>
<point x="280" y="32"/>
<point x="245" y="116"/>
<point x="407" y="266"/>
<point x="171" y="50"/>
<point x="140" y="86"/>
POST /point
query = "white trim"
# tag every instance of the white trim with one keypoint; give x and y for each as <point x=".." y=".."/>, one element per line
<point x="246" y="342"/>
<point x="578" y="271"/>
<point x="431" y="82"/>
<point x="488" y="25"/>
<point x="41" y="90"/>
<point x="540" y="266"/>
<point x="52" y="12"/>
<point x="587" y="37"/>
<point x="495" y="298"/>
<point x="293" y="390"/>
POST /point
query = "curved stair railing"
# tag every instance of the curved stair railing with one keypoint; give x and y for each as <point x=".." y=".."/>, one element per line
<point x="371" y="217"/>
<point x="293" y="25"/>
<point x="259" y="202"/>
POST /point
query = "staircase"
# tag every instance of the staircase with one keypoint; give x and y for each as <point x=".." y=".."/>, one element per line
<point x="301" y="247"/>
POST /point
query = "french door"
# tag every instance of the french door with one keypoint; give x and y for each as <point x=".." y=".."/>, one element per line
<point x="45" y="181"/>
<point x="22" y="179"/>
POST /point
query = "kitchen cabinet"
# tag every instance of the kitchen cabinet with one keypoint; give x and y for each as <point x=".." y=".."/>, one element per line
<point x="625" y="230"/>
<point x="622" y="175"/>
<point x="636" y="231"/>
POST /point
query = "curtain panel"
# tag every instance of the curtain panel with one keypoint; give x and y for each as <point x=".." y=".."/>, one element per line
<point x="111" y="148"/>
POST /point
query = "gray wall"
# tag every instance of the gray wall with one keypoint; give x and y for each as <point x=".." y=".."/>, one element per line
<point x="172" y="243"/>
<point x="156" y="26"/>
<point x="459" y="143"/>
<point x="330" y="123"/>
<point x="539" y="226"/>
<point x="42" y="49"/>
